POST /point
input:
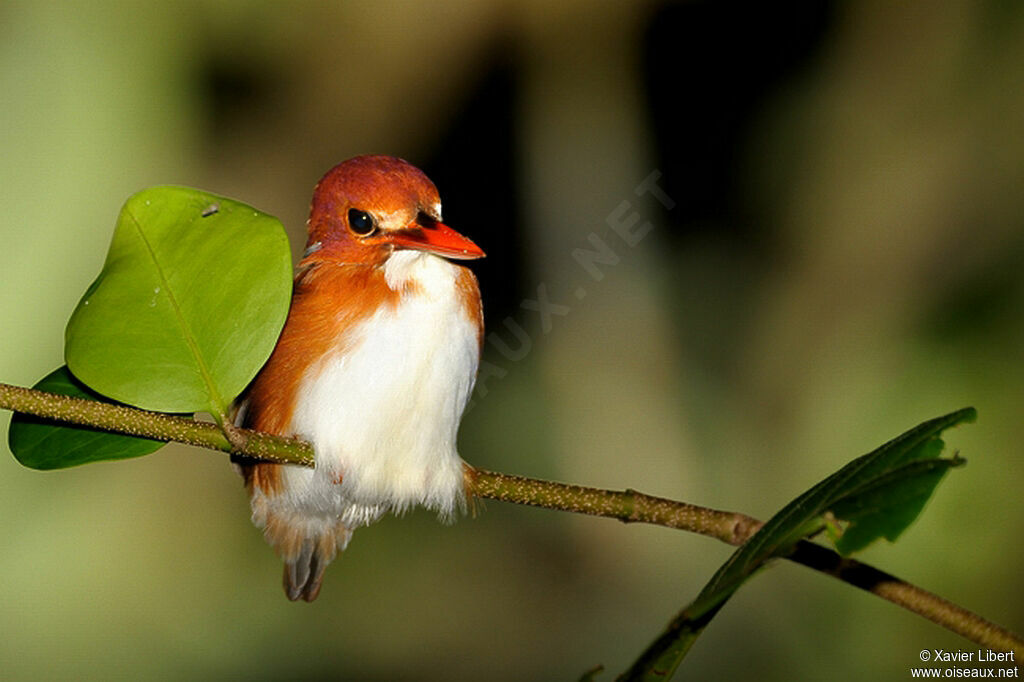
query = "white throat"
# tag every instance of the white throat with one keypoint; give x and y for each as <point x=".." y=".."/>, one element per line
<point x="435" y="274"/>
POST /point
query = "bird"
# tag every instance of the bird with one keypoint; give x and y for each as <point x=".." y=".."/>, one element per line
<point x="374" y="367"/>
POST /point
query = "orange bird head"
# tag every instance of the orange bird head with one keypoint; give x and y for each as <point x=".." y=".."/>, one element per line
<point x="369" y="206"/>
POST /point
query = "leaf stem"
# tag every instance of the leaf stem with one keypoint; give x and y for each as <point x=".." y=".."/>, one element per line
<point x="628" y="506"/>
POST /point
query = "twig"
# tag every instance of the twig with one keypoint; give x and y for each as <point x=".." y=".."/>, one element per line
<point x="628" y="506"/>
<point x="734" y="528"/>
<point x="913" y="598"/>
<point x="155" y="425"/>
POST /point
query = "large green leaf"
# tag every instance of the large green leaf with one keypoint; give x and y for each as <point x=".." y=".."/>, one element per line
<point x="188" y="306"/>
<point x="46" y="444"/>
<point x="876" y="495"/>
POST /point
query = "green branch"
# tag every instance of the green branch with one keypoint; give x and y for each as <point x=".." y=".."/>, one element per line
<point x="628" y="506"/>
<point x="155" y="425"/>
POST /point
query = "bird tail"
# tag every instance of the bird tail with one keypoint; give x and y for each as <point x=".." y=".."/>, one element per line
<point x="305" y="541"/>
<point x="304" y="571"/>
<point x="306" y="546"/>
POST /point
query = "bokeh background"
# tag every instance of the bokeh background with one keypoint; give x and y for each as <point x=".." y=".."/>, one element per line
<point x="844" y="258"/>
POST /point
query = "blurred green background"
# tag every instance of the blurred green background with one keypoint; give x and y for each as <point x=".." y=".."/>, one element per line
<point x="844" y="259"/>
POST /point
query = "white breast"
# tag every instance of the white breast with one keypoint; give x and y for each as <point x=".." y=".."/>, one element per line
<point x="384" y="414"/>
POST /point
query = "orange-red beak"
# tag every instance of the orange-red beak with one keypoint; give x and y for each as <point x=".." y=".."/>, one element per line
<point x="436" y="238"/>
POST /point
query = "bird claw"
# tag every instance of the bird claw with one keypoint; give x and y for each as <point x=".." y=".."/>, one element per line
<point x="236" y="437"/>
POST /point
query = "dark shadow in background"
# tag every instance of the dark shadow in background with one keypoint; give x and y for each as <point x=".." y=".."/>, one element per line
<point x="474" y="164"/>
<point x="709" y="71"/>
<point x="703" y="96"/>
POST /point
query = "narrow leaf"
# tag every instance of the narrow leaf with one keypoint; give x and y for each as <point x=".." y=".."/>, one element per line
<point x="188" y="306"/>
<point x="876" y="495"/>
<point x="45" y="444"/>
<point x="805" y="515"/>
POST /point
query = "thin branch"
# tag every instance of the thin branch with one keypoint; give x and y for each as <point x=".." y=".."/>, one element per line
<point x="913" y="598"/>
<point x="628" y="506"/>
<point x="734" y="528"/>
<point x="155" y="425"/>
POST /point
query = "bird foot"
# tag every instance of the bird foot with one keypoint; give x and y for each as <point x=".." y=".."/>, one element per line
<point x="237" y="438"/>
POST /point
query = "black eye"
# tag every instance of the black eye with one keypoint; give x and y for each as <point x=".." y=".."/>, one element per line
<point x="360" y="222"/>
<point x="424" y="220"/>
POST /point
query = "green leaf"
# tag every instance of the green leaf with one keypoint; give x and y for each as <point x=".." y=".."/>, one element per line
<point x="887" y="506"/>
<point x="876" y="495"/>
<point x="188" y="306"/>
<point x="890" y="478"/>
<point x="45" y="444"/>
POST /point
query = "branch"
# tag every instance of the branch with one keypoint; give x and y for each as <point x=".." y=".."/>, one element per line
<point x="931" y="606"/>
<point x="628" y="506"/>
<point x="155" y="425"/>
